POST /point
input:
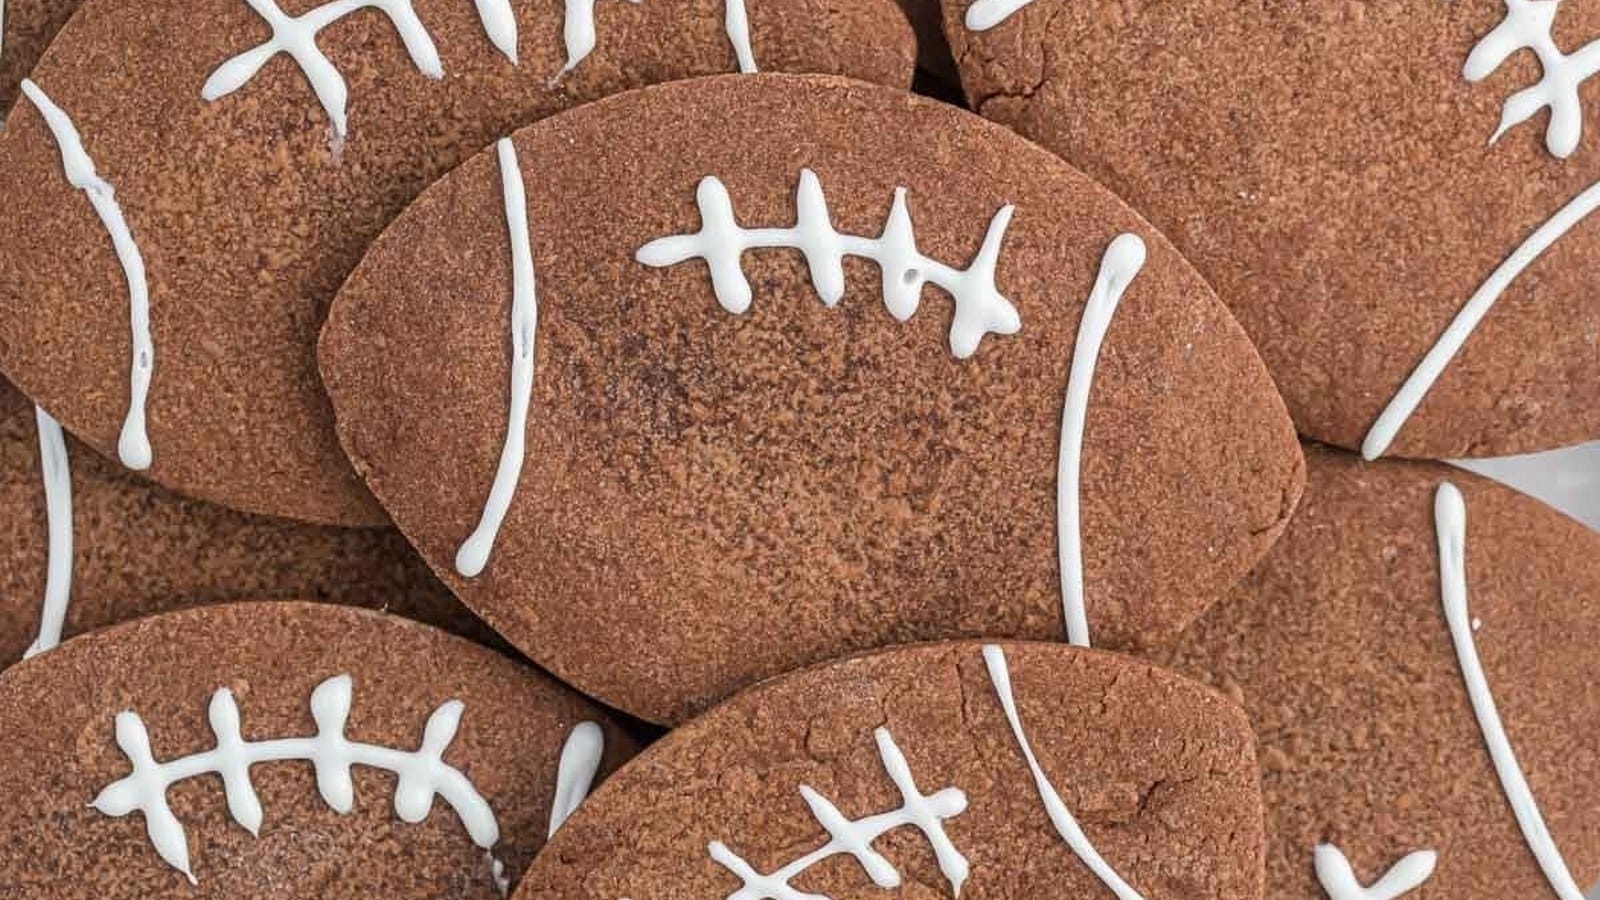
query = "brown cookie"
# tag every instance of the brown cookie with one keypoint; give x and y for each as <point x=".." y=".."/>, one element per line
<point x="132" y="549"/>
<point x="1355" y="668"/>
<point x="26" y="28"/>
<point x="214" y="743"/>
<point x="908" y="762"/>
<point x="1339" y="173"/>
<point x="817" y="473"/>
<point x="240" y="215"/>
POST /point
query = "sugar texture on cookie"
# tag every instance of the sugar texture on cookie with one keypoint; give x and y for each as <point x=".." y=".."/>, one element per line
<point x="188" y="184"/>
<point x="286" y="749"/>
<point x="1417" y="657"/>
<point x="1396" y="200"/>
<point x="804" y="358"/>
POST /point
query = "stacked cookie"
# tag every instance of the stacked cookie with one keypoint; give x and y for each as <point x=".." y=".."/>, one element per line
<point x="869" y="497"/>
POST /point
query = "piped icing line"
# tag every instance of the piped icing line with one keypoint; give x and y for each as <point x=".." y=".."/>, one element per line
<point x="1450" y="523"/>
<point x="1339" y="882"/>
<point x="854" y="837"/>
<point x="1122" y="262"/>
<point x="58" y="514"/>
<point x="474" y="552"/>
<point x="994" y="658"/>
<point x="580" y="762"/>
<point x="1421" y="381"/>
<point x="579" y="33"/>
<point x="133" y="444"/>
<point x="736" y="19"/>
<point x="1529" y="25"/>
<point x="422" y="773"/>
<point x="980" y="308"/>
<point x="297" y="37"/>
<point x="986" y="14"/>
<point x="500" y="25"/>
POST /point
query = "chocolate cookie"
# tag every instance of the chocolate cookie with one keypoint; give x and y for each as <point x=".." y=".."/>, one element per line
<point x="1418" y="657"/>
<point x="26" y="28"/>
<point x="180" y="211"/>
<point x="1374" y="189"/>
<point x="695" y="459"/>
<point x="947" y="770"/>
<point x="86" y="545"/>
<point x="285" y="750"/>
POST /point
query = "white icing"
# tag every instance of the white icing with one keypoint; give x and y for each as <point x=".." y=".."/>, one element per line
<point x="1528" y="25"/>
<point x="297" y="36"/>
<point x="580" y="762"/>
<point x="924" y="812"/>
<point x="986" y="14"/>
<point x="133" y="445"/>
<point x="737" y="22"/>
<point x="1339" y="882"/>
<point x="980" y="308"/>
<point x="474" y="552"/>
<point x="422" y="773"/>
<point x="1123" y="261"/>
<point x="1421" y="380"/>
<point x="1450" y="522"/>
<point x="579" y="33"/>
<point x="58" y="514"/>
<point x="1066" y="826"/>
<point x="500" y="24"/>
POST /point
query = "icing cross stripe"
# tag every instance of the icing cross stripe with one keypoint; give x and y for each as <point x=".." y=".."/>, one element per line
<point x="421" y="774"/>
<point x="1529" y="25"/>
<point x="980" y="308"/>
<point x="57" y="473"/>
<point x="296" y="36"/>
<point x="983" y="15"/>
<point x="1339" y="882"/>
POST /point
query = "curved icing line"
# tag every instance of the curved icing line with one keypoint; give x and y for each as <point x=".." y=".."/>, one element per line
<point x="1450" y="523"/>
<point x="1122" y="262"/>
<point x="58" y="514"/>
<point x="1528" y="25"/>
<point x="1421" y="380"/>
<point x="994" y="659"/>
<point x="133" y="444"/>
<point x="580" y="762"/>
<point x="986" y="14"/>
<point x="422" y="774"/>
<point x="1339" y="882"/>
<point x="473" y="554"/>
<point x="980" y="308"/>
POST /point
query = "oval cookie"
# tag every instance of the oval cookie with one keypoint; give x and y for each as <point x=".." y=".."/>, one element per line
<point x="180" y="212"/>
<point x="285" y="750"/>
<point x="946" y="770"/>
<point x="703" y="452"/>
<point x="1417" y="655"/>
<point x="86" y="545"/>
<point x="1394" y="199"/>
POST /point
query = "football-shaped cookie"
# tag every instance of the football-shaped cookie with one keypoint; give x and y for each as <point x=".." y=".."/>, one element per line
<point x="945" y="770"/>
<point x="639" y="410"/>
<point x="1393" y="198"/>
<point x="86" y="545"/>
<point x="187" y="183"/>
<point x="1417" y="655"/>
<point x="285" y="750"/>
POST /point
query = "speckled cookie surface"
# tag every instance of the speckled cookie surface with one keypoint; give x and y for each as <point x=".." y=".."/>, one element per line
<point x="830" y="479"/>
<point x="138" y="549"/>
<point x="1156" y="770"/>
<point x="1339" y="648"/>
<point x="1329" y="168"/>
<point x="65" y="713"/>
<point x="247" y="210"/>
<point x="26" y="28"/>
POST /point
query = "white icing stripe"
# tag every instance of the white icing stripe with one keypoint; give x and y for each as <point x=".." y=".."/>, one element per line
<point x="1339" y="882"/>
<point x="133" y="445"/>
<point x="579" y="32"/>
<point x="1528" y="25"/>
<point x="58" y="513"/>
<point x="986" y="14"/>
<point x="500" y="24"/>
<point x="580" y="762"/>
<point x="1450" y="522"/>
<point x="474" y="552"/>
<point x="422" y="774"/>
<point x="737" y="22"/>
<point x="1066" y="826"/>
<point x="1416" y="387"/>
<point x="980" y="308"/>
<point x="297" y="36"/>
<point x="924" y="812"/>
<point x="1123" y="261"/>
